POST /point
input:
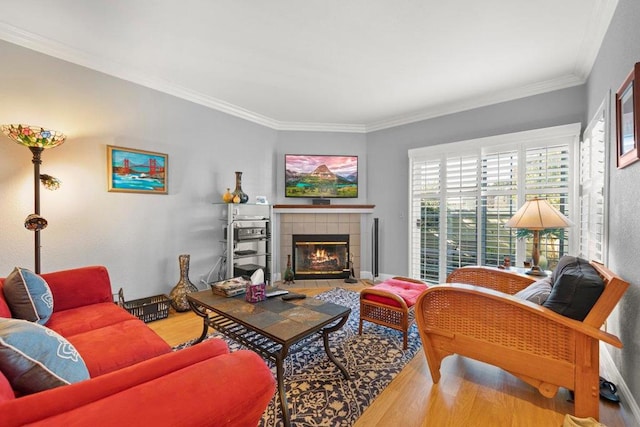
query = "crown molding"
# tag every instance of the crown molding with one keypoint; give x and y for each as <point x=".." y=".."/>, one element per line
<point x="600" y="18"/>
<point x="599" y="22"/>
<point x="58" y="50"/>
<point x="322" y="127"/>
<point x="62" y="51"/>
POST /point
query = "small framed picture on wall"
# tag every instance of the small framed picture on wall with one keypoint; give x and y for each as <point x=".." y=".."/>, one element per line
<point x="628" y="119"/>
<point x="136" y="171"/>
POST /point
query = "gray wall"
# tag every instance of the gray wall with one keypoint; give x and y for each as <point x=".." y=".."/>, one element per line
<point x="137" y="236"/>
<point x="618" y="53"/>
<point x="388" y="160"/>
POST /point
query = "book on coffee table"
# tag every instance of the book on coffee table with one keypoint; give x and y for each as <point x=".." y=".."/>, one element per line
<point x="231" y="287"/>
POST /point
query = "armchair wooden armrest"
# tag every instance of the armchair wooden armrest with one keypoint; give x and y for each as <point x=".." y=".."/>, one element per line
<point x="481" y="320"/>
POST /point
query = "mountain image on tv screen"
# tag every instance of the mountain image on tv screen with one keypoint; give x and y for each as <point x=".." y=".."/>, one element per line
<point x="321" y="176"/>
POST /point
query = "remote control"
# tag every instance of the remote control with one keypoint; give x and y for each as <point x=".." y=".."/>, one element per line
<point x="275" y="293"/>
<point x="293" y="296"/>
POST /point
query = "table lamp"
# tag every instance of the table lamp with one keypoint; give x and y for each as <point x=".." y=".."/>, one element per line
<point x="535" y="215"/>
<point x="37" y="140"/>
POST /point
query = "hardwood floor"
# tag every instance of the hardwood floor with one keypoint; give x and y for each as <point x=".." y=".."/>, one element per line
<point x="470" y="393"/>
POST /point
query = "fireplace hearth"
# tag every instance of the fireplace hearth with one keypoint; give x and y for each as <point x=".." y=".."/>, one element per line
<point x="320" y="256"/>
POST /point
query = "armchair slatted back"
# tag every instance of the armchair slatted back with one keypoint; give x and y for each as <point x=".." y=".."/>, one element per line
<point x="614" y="288"/>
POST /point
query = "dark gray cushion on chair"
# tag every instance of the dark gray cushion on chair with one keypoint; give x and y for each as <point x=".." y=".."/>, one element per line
<point x="563" y="262"/>
<point x="576" y="288"/>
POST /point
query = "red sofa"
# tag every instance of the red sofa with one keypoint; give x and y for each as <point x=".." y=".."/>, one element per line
<point x="135" y="377"/>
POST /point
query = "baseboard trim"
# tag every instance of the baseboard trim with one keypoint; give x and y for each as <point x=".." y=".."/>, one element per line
<point x="611" y="373"/>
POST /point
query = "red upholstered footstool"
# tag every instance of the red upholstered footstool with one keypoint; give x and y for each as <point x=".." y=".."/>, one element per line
<point x="391" y="303"/>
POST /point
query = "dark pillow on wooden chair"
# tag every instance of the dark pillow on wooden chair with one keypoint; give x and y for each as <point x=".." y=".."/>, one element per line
<point x="576" y="288"/>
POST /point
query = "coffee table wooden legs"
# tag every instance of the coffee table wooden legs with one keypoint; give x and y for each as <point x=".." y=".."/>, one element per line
<point x="205" y="320"/>
<point x="325" y="340"/>
<point x="286" y="416"/>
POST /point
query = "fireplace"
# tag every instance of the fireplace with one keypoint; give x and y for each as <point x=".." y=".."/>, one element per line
<point x="320" y="256"/>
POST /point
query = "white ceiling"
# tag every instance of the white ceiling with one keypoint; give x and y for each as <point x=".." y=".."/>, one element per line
<point x="346" y="65"/>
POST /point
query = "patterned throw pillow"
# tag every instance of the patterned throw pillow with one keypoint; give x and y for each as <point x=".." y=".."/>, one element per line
<point x="35" y="358"/>
<point x="28" y="296"/>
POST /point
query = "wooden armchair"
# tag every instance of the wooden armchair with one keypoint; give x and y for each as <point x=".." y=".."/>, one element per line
<point x="475" y="315"/>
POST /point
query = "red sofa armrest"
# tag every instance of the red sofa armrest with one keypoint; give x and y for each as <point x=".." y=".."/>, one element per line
<point x="200" y="385"/>
<point x="79" y="287"/>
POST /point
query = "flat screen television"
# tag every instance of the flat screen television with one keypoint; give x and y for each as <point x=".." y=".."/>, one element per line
<point x="321" y="176"/>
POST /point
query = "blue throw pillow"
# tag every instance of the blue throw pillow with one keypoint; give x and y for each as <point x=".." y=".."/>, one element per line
<point x="28" y="296"/>
<point x="34" y="358"/>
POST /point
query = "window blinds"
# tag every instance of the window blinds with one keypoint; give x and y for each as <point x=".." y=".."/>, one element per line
<point x="463" y="193"/>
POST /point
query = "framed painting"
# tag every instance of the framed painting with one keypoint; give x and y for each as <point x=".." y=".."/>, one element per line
<point x="136" y="171"/>
<point x="628" y="120"/>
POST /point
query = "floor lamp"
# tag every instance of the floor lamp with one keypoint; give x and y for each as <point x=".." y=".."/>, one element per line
<point x="535" y="215"/>
<point x="37" y="140"/>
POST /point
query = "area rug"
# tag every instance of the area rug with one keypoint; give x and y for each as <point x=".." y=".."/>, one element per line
<point x="317" y="393"/>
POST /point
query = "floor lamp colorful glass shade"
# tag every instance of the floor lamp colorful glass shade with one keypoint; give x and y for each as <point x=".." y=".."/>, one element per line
<point x="37" y="140"/>
<point x="535" y="215"/>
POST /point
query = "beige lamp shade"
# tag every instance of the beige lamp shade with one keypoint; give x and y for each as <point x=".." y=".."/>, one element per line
<point x="538" y="214"/>
<point x="535" y="215"/>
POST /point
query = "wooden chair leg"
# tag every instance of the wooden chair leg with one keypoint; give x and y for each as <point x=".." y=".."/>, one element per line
<point x="587" y="380"/>
<point x="433" y="358"/>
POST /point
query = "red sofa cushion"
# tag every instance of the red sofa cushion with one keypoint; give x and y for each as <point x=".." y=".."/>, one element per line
<point x="94" y="316"/>
<point x="408" y="291"/>
<point x="79" y="286"/>
<point x="232" y="390"/>
<point x="117" y="346"/>
<point x="72" y="288"/>
<point x="223" y="389"/>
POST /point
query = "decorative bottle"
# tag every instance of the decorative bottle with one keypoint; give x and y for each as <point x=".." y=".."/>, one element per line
<point x="227" y="197"/>
<point x="288" y="272"/>
<point x="244" y="197"/>
<point x="184" y="286"/>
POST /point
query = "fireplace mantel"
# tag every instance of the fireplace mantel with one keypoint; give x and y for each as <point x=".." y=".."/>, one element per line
<point x="323" y="208"/>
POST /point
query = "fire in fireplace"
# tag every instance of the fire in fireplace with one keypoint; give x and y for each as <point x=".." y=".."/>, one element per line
<point x="320" y="256"/>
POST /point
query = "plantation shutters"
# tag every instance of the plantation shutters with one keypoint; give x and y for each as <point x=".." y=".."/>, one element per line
<point x="549" y="176"/>
<point x="593" y="173"/>
<point x="499" y="203"/>
<point x="426" y="213"/>
<point x="461" y="205"/>
<point x="463" y="193"/>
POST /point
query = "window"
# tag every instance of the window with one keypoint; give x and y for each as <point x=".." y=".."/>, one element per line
<point x="463" y="193"/>
<point x="593" y="203"/>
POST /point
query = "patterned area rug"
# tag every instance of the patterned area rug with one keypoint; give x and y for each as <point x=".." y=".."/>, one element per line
<point x="317" y="393"/>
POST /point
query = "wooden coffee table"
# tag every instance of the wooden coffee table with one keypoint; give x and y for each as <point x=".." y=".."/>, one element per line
<point x="273" y="328"/>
